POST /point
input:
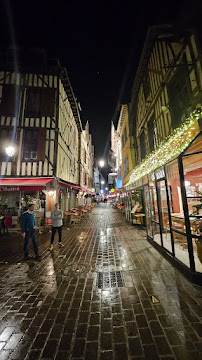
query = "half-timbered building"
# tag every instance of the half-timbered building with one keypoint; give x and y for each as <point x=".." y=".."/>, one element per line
<point x="39" y="133"/>
<point x="165" y="122"/>
<point x="86" y="166"/>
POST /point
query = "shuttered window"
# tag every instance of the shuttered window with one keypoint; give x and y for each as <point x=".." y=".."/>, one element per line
<point x="40" y="102"/>
<point x="34" y="144"/>
<point x="33" y="103"/>
<point x="179" y="94"/>
<point x="9" y="103"/>
<point x="146" y="85"/>
<point x="47" y="102"/>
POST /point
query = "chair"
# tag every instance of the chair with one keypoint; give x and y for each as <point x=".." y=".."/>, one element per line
<point x="7" y="223"/>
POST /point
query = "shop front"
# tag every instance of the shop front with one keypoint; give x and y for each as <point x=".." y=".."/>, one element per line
<point x="67" y="194"/>
<point x="171" y="199"/>
<point x="17" y="193"/>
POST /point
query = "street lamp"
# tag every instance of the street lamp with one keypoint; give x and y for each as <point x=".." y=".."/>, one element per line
<point x="10" y="150"/>
<point x="101" y="163"/>
<point x="102" y="182"/>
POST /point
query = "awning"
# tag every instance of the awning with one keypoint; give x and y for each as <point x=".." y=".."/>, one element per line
<point x="23" y="184"/>
<point x="87" y="191"/>
<point x="69" y="184"/>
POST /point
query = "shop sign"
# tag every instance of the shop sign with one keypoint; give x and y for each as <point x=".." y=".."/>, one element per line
<point x="9" y="188"/>
<point x="160" y="174"/>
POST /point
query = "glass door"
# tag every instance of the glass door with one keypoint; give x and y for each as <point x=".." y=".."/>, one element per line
<point x="164" y="215"/>
<point x="148" y="213"/>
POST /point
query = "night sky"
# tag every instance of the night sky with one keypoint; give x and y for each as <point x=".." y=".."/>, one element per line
<point x="99" y="42"/>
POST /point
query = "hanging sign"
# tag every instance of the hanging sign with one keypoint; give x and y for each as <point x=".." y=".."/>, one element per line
<point x="112" y="190"/>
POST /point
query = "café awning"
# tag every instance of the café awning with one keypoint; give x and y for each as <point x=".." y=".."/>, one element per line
<point x="23" y="184"/>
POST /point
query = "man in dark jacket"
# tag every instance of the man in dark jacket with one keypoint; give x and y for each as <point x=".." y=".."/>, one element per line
<point x="29" y="231"/>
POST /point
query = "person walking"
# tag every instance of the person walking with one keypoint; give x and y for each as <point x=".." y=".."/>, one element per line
<point x="56" y="216"/>
<point x="29" y="231"/>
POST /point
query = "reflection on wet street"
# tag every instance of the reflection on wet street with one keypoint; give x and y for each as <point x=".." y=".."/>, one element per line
<point x="108" y="294"/>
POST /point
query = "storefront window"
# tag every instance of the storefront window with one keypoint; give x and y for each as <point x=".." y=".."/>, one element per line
<point x="137" y="207"/>
<point x="154" y="210"/>
<point x="148" y="210"/>
<point x="164" y="215"/>
<point x="176" y="212"/>
<point x="192" y="164"/>
<point x="128" y="207"/>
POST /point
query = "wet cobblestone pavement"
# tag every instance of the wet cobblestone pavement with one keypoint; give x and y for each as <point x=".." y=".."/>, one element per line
<point x="92" y="299"/>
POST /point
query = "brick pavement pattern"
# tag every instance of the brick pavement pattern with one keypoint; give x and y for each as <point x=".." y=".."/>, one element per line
<point x="57" y="309"/>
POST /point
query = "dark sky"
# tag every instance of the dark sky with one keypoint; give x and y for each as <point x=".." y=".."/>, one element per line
<point x="99" y="42"/>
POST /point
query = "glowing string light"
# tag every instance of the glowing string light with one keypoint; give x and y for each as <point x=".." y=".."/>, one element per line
<point x="168" y="149"/>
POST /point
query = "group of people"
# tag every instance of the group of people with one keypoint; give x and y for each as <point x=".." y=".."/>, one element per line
<point x="28" y="227"/>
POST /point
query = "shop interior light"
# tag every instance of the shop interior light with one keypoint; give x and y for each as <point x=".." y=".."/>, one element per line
<point x="51" y="193"/>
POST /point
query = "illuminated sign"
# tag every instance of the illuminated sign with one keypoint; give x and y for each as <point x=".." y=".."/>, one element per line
<point x="112" y="190"/>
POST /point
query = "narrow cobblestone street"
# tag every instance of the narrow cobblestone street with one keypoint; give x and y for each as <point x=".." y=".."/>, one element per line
<point x="108" y="294"/>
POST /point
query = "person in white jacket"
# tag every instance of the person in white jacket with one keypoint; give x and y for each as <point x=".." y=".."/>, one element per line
<point x="57" y="217"/>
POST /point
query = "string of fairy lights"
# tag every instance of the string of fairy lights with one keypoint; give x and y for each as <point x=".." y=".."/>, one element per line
<point x="168" y="149"/>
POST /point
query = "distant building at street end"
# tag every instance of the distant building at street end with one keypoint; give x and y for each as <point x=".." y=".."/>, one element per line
<point x="86" y="166"/>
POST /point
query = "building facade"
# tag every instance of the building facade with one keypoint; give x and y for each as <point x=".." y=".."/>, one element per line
<point x="86" y="166"/>
<point x="127" y="151"/>
<point x="40" y="120"/>
<point x="165" y="120"/>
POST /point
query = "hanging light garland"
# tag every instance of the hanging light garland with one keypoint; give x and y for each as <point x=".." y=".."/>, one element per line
<point x="169" y="148"/>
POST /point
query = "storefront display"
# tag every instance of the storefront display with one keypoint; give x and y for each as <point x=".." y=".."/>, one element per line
<point x="172" y="205"/>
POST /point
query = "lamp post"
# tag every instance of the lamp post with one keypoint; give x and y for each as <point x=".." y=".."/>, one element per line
<point x="10" y="150"/>
<point x="101" y="163"/>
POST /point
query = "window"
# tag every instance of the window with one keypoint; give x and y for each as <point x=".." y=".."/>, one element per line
<point x="124" y="137"/>
<point x="30" y="144"/>
<point x="124" y="167"/>
<point x="33" y="102"/>
<point x="179" y="94"/>
<point x="127" y="166"/>
<point x="123" y="143"/>
<point x="125" y="134"/>
<point x="47" y="105"/>
<point x="142" y="145"/>
<point x="150" y="129"/>
<point x="84" y="156"/>
<point x="34" y="144"/>
<point x="146" y="85"/>
<point x="40" y="102"/>
<point x="10" y="100"/>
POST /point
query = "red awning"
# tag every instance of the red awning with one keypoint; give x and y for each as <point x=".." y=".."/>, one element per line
<point x="69" y="184"/>
<point x="22" y="184"/>
<point x="87" y="191"/>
